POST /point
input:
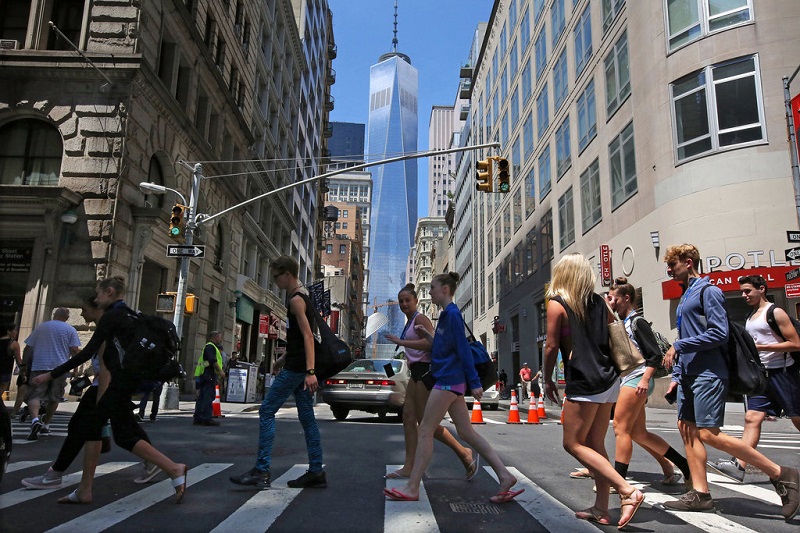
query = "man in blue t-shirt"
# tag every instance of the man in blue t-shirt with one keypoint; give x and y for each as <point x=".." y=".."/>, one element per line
<point x="700" y="375"/>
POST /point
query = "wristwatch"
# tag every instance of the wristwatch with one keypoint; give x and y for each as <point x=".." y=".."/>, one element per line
<point x="311" y="372"/>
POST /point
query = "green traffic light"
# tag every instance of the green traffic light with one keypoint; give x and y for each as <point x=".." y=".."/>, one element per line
<point x="504" y="187"/>
<point x="175" y="231"/>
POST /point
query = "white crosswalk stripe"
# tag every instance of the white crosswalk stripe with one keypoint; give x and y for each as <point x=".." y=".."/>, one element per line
<point x="407" y="517"/>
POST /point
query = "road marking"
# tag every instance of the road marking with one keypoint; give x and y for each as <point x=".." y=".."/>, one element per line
<point x="119" y="510"/>
<point x="759" y="493"/>
<point x="408" y="517"/>
<point x="710" y="522"/>
<point x="549" y="512"/>
<point x="24" y="495"/>
<point x="22" y="465"/>
<point x="259" y="512"/>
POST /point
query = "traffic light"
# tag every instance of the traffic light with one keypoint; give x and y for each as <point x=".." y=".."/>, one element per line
<point x="484" y="175"/>
<point x="176" y="221"/>
<point x="503" y="178"/>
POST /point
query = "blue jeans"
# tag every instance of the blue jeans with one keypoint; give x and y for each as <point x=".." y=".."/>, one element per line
<point x="286" y="383"/>
<point x="206" y="393"/>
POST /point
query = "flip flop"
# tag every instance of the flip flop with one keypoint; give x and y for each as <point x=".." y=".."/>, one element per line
<point x="180" y="483"/>
<point x="581" y="473"/>
<point x="395" y="475"/>
<point x="507" y="496"/>
<point x="594" y="515"/>
<point x="72" y="499"/>
<point x="627" y="501"/>
<point x="396" y="495"/>
<point x="472" y="469"/>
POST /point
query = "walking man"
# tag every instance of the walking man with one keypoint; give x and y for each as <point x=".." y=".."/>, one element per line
<point x="525" y="378"/>
<point x="208" y="369"/>
<point x="53" y="343"/>
<point x="297" y="376"/>
<point x="701" y="377"/>
<point x="775" y="336"/>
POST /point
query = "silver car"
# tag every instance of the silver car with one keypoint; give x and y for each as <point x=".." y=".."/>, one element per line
<point x="490" y="399"/>
<point x="368" y="385"/>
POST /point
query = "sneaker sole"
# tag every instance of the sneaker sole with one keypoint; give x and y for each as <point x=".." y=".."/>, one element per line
<point x="146" y="478"/>
<point x="254" y="485"/>
<point x="35" y="486"/>
<point x="715" y="470"/>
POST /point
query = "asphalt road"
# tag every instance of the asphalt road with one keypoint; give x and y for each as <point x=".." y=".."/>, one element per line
<point x="358" y="453"/>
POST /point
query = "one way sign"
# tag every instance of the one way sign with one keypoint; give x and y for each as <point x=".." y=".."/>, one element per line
<point x="180" y="250"/>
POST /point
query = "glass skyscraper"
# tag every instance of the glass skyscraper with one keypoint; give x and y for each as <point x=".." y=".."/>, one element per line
<point x="392" y="131"/>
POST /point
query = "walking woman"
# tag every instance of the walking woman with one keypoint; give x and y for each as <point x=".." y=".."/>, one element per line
<point x="577" y="325"/>
<point x="636" y="387"/>
<point x="418" y="355"/>
<point x="453" y="370"/>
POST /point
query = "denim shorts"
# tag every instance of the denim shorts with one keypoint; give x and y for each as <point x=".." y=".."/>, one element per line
<point x="701" y="399"/>
<point x="782" y="394"/>
<point x="632" y="380"/>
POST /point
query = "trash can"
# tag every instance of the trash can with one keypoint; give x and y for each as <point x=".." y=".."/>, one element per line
<point x="170" y="396"/>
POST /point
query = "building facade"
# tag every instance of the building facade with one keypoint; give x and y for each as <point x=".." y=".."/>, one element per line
<point x="441" y="176"/>
<point x="430" y="231"/>
<point x="630" y="126"/>
<point x="346" y="143"/>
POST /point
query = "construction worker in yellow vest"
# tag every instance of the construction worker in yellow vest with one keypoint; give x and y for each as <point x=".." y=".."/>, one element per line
<point x="208" y="368"/>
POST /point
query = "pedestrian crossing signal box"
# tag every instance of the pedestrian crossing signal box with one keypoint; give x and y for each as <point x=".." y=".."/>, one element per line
<point x="165" y="303"/>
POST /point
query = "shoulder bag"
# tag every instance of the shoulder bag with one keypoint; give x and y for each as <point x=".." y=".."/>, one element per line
<point x="624" y="353"/>
<point x="484" y="366"/>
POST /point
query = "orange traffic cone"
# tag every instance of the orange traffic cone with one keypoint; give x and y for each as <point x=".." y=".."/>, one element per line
<point x="217" y="406"/>
<point x="533" y="416"/>
<point x="561" y="422"/>
<point x="513" y="411"/>
<point x="477" y="414"/>
<point x="542" y="413"/>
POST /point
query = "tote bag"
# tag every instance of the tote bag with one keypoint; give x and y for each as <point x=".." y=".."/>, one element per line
<point x="624" y="353"/>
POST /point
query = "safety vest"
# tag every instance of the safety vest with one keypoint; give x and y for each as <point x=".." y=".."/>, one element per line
<point x="202" y="363"/>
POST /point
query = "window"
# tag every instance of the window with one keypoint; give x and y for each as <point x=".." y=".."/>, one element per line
<point x="542" y="112"/>
<point x="526" y="84"/>
<point x="344" y="213"/>
<point x="505" y="126"/>
<point x="515" y="107"/>
<point x="344" y="225"/>
<point x="154" y="175"/>
<point x="329" y="249"/>
<point x="30" y="153"/>
<point x="718" y="108"/>
<point x="491" y="290"/>
<point x="503" y="42"/>
<point x="519" y="265"/>
<point x="538" y="9"/>
<point x="67" y="16"/>
<point x="506" y="224"/>
<point x="342" y="249"/>
<point x="557" y="20"/>
<point x="563" y="158"/>
<point x="689" y="20"/>
<point x="498" y="238"/>
<point x="566" y="220"/>
<point x="622" y="162"/>
<point x="560" y="81"/>
<point x="516" y="158"/>
<point x="531" y="258"/>
<point x="540" y="49"/>
<point x="590" y="196"/>
<point x="524" y="31"/>
<point x="517" y="209"/>
<point x="587" y="117"/>
<point x="618" y="75"/>
<point x="544" y="173"/>
<point x="611" y="9"/>
<point x="512" y="14"/>
<point x="513" y="60"/>
<point x="490" y="244"/>
<point x="583" y="41"/>
<point x="527" y="134"/>
<point x="530" y="192"/>
<point x="546" y="237"/>
<point x="503" y="85"/>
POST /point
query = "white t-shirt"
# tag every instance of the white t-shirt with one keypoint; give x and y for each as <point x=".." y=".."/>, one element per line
<point x="758" y="328"/>
<point x="51" y="342"/>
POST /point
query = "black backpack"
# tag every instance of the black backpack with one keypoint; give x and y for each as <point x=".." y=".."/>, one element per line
<point x="331" y="354"/>
<point x="773" y="324"/>
<point x="150" y="349"/>
<point x="746" y="372"/>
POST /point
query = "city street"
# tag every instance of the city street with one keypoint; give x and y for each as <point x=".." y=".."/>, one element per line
<point x="358" y="452"/>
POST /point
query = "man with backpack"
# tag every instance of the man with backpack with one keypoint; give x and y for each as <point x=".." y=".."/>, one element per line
<point x="700" y="375"/>
<point x="776" y="336"/>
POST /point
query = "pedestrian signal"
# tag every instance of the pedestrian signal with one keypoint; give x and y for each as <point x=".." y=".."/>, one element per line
<point x="503" y="178"/>
<point x="484" y="175"/>
<point x="176" y="221"/>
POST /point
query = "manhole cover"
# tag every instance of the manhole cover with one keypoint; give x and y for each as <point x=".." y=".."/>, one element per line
<point x="474" y="508"/>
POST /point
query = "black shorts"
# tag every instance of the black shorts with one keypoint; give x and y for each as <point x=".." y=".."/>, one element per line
<point x="422" y="372"/>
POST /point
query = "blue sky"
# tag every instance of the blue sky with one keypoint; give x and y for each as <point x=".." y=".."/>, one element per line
<point x="435" y="34"/>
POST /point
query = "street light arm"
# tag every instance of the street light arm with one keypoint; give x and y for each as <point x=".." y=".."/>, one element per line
<point x="155" y="188"/>
<point x="209" y="218"/>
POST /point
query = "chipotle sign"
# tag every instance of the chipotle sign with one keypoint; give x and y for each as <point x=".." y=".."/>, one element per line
<point x="605" y="265"/>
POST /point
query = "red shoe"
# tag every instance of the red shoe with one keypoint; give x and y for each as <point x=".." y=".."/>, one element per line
<point x="507" y="496"/>
<point x="396" y="495"/>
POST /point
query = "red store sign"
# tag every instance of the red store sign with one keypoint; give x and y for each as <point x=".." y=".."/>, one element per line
<point x="605" y="264"/>
<point x="728" y="281"/>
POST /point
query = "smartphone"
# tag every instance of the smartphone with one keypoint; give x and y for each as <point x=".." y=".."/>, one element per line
<point x="388" y="369"/>
<point x="672" y="396"/>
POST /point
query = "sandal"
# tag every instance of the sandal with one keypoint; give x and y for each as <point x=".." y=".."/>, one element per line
<point x="179" y="484"/>
<point x="628" y="501"/>
<point x="395" y="475"/>
<point x="581" y="473"/>
<point x="72" y="498"/>
<point x="593" y="514"/>
<point x="472" y="469"/>
<point x="672" y="479"/>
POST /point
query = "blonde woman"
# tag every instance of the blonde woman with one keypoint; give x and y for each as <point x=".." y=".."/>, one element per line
<point x="418" y="355"/>
<point x="577" y="325"/>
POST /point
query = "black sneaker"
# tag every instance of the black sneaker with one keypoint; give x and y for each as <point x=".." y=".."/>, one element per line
<point x="692" y="501"/>
<point x="787" y="488"/>
<point x="309" y="480"/>
<point x="255" y="478"/>
<point x="36" y="427"/>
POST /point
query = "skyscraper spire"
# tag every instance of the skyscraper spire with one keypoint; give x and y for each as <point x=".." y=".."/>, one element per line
<point x="394" y="39"/>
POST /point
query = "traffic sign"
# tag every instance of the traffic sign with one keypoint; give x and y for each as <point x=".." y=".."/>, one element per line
<point x="180" y="250"/>
<point x="793" y="290"/>
<point x="792" y="254"/>
<point x="793" y="236"/>
<point x="793" y="274"/>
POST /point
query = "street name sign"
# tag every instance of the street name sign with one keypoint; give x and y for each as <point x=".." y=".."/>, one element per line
<point x="793" y="290"/>
<point x="793" y="274"/>
<point x="792" y="254"/>
<point x="182" y="250"/>
<point x="793" y="236"/>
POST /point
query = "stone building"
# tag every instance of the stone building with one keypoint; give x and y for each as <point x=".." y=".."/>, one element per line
<point x="429" y="232"/>
<point x="152" y="89"/>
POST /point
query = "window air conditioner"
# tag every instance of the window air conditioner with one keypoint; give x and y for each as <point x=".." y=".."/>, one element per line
<point x="9" y="44"/>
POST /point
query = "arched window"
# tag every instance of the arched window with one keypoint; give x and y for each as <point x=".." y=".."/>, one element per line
<point x="30" y="153"/>
<point x="155" y="175"/>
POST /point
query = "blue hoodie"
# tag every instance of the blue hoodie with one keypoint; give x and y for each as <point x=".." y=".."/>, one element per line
<point x="451" y="356"/>
<point x="701" y="337"/>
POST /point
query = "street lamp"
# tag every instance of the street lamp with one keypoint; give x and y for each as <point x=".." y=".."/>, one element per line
<point x="155" y="188"/>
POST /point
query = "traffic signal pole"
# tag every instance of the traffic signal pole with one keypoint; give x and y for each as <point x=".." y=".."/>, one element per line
<point x="191" y="224"/>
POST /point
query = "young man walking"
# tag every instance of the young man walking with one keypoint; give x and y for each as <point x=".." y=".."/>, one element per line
<point x="783" y="386"/>
<point x="297" y="377"/>
<point x="701" y="377"/>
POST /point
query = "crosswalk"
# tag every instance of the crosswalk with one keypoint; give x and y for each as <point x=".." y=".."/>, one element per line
<point x="768" y="440"/>
<point x="58" y="428"/>
<point x="263" y="509"/>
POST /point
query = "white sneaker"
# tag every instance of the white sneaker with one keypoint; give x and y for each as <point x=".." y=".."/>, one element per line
<point x="49" y="480"/>
<point x="149" y="471"/>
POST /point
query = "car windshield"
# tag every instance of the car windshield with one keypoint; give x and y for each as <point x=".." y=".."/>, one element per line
<point x="373" y="365"/>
